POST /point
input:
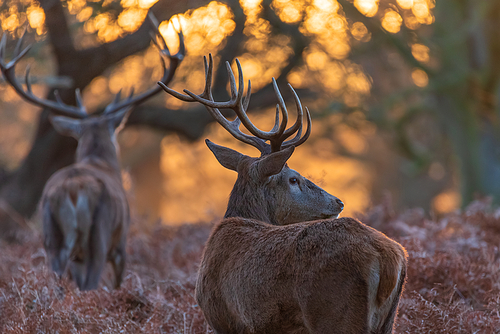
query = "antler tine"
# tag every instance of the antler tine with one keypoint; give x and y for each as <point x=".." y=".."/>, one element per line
<point x="278" y="143"/>
<point x="282" y="105"/>
<point x="235" y="103"/>
<point x="233" y="127"/>
<point x="78" y="98"/>
<point x="3" y="42"/>
<point x="297" y="140"/>
<point x="131" y="94"/>
<point x="27" y="79"/>
<point x="19" y="43"/>
<point x="57" y="96"/>
<point x="300" y="113"/>
<point x="209" y="71"/>
<point x="246" y="99"/>
<point x="8" y="71"/>
<point x="239" y="104"/>
<point x="168" y="73"/>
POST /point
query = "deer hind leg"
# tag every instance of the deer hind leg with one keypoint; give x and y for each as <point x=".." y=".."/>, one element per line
<point x="118" y="262"/>
<point x="334" y="302"/>
<point x="67" y="222"/>
<point x="96" y="256"/>
<point x="78" y="273"/>
<point x="388" y="325"/>
<point x="53" y="238"/>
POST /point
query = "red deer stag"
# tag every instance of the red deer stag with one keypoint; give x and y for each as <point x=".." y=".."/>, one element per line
<point x="270" y="266"/>
<point x="84" y="206"/>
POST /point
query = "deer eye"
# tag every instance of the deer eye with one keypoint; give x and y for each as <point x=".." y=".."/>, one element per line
<point x="293" y="180"/>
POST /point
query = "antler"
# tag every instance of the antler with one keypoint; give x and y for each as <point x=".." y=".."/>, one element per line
<point x="8" y="71"/>
<point x="239" y="104"/>
<point x="168" y="73"/>
<point x="79" y="111"/>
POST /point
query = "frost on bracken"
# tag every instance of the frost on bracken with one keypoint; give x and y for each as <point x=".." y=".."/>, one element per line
<point x="453" y="281"/>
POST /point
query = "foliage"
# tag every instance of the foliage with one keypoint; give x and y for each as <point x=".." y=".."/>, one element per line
<point x="453" y="283"/>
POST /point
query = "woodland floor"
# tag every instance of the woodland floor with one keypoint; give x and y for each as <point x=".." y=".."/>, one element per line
<point x="453" y="283"/>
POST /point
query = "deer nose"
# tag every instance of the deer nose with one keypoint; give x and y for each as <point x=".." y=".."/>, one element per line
<point x="340" y="204"/>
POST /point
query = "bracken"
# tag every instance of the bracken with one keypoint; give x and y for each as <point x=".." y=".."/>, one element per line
<point x="453" y="280"/>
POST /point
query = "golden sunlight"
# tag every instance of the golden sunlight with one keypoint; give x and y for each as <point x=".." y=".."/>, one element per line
<point x="411" y="22"/>
<point x="131" y="18"/>
<point x="419" y="77"/>
<point x="316" y="60"/>
<point x="446" y="202"/>
<point x="84" y="14"/>
<point x="145" y="4"/>
<point x="367" y="7"/>
<point x="204" y="28"/>
<point x="75" y="6"/>
<point x="334" y="76"/>
<point x="252" y="9"/>
<point x="421" y="10"/>
<point x="326" y="5"/>
<point x="351" y="139"/>
<point x="196" y="187"/>
<point x="36" y="17"/>
<point x="392" y="21"/>
<point x="10" y="22"/>
<point x="289" y="11"/>
<point x="420" y="52"/>
<point x="360" y="32"/>
<point x="169" y="32"/>
<point x="405" y="4"/>
<point x="358" y="82"/>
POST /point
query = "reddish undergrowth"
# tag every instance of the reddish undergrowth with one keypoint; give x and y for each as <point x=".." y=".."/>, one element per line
<point x="453" y="283"/>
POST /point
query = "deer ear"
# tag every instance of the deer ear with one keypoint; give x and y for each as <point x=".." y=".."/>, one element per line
<point x="67" y="126"/>
<point x="273" y="163"/>
<point x="227" y="157"/>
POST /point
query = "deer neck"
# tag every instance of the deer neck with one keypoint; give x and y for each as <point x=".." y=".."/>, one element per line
<point x="250" y="202"/>
<point x="99" y="154"/>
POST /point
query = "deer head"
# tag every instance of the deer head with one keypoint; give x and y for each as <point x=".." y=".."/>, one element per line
<point x="266" y="188"/>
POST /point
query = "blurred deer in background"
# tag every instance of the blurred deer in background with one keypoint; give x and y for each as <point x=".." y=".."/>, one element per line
<point x="270" y="266"/>
<point x="84" y="206"/>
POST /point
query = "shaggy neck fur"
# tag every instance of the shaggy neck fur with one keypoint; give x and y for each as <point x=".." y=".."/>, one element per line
<point x="97" y="151"/>
<point x="251" y="200"/>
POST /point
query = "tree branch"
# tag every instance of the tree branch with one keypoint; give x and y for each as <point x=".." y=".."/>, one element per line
<point x="299" y="41"/>
<point x="233" y="47"/>
<point x="375" y="28"/>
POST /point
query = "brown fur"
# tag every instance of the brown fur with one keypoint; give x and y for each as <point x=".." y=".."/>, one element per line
<point x="308" y="277"/>
<point x="85" y="209"/>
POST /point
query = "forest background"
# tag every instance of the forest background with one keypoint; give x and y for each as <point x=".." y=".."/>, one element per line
<point x="404" y="97"/>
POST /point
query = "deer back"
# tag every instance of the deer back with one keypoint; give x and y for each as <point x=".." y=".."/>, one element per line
<point x="314" y="277"/>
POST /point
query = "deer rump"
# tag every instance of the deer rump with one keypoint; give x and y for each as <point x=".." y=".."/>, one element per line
<point x="326" y="276"/>
<point x="85" y="222"/>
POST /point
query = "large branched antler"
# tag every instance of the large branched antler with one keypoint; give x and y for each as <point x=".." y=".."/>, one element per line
<point x="8" y="71"/>
<point x="239" y="104"/>
<point x="168" y="73"/>
<point x="79" y="111"/>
